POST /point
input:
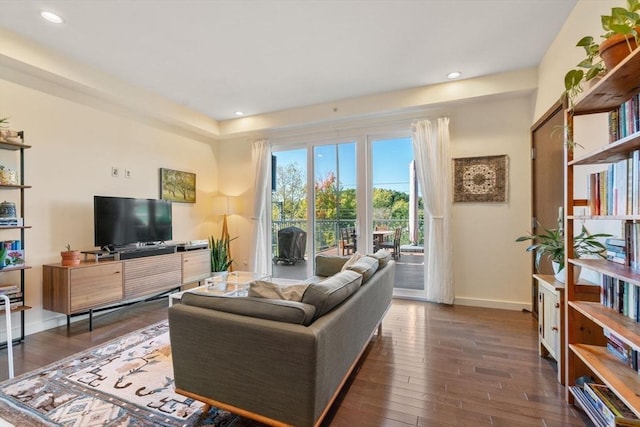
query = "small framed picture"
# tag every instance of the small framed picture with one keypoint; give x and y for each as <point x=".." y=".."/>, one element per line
<point x="177" y="186"/>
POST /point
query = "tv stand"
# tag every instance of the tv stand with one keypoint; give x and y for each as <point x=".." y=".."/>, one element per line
<point x="89" y="286"/>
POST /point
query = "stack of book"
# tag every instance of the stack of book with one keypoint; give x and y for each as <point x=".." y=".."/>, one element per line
<point x="14" y="294"/>
<point x="616" y="250"/>
<point x="604" y="407"/>
<point x="632" y="231"/>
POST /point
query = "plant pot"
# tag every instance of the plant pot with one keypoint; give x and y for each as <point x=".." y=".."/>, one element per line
<point x="560" y="275"/>
<point x="70" y="258"/>
<point x="614" y="49"/>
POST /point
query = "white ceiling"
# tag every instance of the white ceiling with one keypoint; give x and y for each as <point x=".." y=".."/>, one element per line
<point x="259" y="56"/>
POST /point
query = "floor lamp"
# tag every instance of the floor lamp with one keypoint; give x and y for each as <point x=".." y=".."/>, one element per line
<point x="222" y="205"/>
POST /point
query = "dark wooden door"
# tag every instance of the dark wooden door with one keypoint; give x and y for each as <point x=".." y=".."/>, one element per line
<point x="547" y="144"/>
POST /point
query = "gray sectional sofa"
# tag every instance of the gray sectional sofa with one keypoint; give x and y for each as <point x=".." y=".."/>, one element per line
<point x="278" y="361"/>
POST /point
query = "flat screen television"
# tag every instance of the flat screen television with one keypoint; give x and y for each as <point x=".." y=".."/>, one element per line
<point x="122" y="221"/>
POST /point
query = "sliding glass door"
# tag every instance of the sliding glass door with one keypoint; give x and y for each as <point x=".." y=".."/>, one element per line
<point x="397" y="212"/>
<point x="328" y="196"/>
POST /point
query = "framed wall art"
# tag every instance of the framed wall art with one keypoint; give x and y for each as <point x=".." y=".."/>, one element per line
<point x="480" y="179"/>
<point x="177" y="186"/>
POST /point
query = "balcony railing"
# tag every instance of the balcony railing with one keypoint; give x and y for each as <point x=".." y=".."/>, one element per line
<point x="328" y="230"/>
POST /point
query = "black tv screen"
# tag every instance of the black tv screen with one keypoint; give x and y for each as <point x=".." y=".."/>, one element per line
<point x="121" y="221"/>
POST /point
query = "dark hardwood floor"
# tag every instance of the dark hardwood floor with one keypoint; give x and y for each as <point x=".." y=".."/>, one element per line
<point x="433" y="365"/>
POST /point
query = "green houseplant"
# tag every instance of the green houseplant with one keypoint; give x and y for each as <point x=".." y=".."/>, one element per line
<point x="621" y="37"/>
<point x="220" y="259"/>
<point x="550" y="243"/>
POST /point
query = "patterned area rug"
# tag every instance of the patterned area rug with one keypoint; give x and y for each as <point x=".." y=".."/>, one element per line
<point x="125" y="382"/>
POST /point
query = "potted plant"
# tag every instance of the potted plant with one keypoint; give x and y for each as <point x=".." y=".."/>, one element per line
<point x="621" y="37"/>
<point x="550" y="243"/>
<point x="70" y="256"/>
<point x="220" y="259"/>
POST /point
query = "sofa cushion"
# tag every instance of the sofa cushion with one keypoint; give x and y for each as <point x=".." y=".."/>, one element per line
<point x="264" y="289"/>
<point x="327" y="294"/>
<point x="383" y="256"/>
<point x="328" y="265"/>
<point x="366" y="266"/>
<point x="354" y="258"/>
<point x="262" y="308"/>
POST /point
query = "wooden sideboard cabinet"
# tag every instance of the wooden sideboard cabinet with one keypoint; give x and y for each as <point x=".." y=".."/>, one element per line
<point x="79" y="288"/>
<point x="550" y="315"/>
<point x="196" y="266"/>
<point x="91" y="286"/>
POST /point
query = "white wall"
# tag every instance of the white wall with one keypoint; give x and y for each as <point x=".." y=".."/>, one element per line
<point x="563" y="54"/>
<point x="74" y="148"/>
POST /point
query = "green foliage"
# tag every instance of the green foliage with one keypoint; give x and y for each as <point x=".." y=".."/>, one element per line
<point x="68" y="247"/>
<point x="623" y="21"/>
<point x="550" y="243"/>
<point x="4" y="121"/>
<point x="220" y="260"/>
<point x="290" y="197"/>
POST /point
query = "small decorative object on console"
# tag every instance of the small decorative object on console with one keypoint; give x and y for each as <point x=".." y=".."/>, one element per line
<point x="70" y="257"/>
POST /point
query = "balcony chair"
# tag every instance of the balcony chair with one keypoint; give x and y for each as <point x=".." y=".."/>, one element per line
<point x="347" y="240"/>
<point x="393" y="244"/>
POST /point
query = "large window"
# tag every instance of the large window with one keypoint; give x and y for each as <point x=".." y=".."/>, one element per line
<point x="347" y="196"/>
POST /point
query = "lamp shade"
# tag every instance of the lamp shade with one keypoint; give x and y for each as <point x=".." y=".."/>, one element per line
<point x="225" y="205"/>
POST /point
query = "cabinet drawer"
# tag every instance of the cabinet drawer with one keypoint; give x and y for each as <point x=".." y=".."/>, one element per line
<point x="152" y="275"/>
<point x="98" y="285"/>
<point x="196" y="265"/>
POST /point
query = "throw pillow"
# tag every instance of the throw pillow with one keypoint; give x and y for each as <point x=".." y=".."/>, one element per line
<point x="264" y="289"/>
<point x="328" y="265"/>
<point x="383" y="256"/>
<point x="354" y="258"/>
<point x="366" y="266"/>
<point x="326" y="295"/>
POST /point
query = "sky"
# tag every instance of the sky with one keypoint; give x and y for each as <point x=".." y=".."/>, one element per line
<point x="390" y="160"/>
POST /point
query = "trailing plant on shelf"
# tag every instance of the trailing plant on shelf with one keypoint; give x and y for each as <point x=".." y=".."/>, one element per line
<point x="550" y="244"/>
<point x="220" y="257"/>
<point x="621" y="26"/>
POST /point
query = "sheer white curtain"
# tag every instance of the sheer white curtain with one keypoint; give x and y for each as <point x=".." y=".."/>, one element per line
<point x="261" y="160"/>
<point x="433" y="166"/>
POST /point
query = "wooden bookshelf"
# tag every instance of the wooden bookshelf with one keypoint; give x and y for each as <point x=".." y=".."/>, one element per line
<point x="587" y="321"/>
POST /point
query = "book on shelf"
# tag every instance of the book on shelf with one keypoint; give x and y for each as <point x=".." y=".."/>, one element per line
<point x="586" y="402"/>
<point x="610" y="406"/>
<point x="625" y="120"/>
<point x="9" y="289"/>
<point x="632" y="233"/>
<point x="616" y="190"/>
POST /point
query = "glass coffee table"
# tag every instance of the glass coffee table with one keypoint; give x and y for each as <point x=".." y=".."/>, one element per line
<point x="232" y="284"/>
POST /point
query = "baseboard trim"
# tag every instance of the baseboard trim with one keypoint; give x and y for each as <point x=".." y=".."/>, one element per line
<point x="504" y="305"/>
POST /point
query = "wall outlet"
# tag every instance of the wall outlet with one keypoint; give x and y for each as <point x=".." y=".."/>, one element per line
<point x="115" y="171"/>
<point x="127" y="173"/>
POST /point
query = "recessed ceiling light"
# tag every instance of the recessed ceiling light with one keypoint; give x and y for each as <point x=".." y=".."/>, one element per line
<point x="454" y="75"/>
<point x="239" y="113"/>
<point x="51" y="17"/>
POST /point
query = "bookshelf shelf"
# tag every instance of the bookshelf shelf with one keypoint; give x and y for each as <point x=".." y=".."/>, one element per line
<point x="627" y="329"/>
<point x="613" y="373"/>
<point x="612" y="89"/>
<point x="16" y="309"/>
<point x="614" y="152"/>
<point x="609" y="268"/>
